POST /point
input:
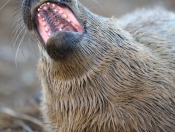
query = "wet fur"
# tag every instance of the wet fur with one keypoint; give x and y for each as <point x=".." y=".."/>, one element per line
<point x="119" y="78"/>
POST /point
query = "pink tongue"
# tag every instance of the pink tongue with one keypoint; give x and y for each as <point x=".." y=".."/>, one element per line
<point x="44" y="27"/>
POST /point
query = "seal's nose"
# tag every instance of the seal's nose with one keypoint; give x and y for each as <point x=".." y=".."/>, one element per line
<point x="26" y="12"/>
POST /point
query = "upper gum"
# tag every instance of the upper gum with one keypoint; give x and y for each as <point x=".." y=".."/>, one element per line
<point x="61" y="12"/>
<point x="44" y="7"/>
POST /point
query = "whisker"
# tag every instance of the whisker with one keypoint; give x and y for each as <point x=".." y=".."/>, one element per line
<point x="12" y="17"/>
<point x="4" y="5"/>
<point x="15" y="32"/>
<point x="18" y="26"/>
<point x="19" y="47"/>
<point x="30" y="39"/>
<point x="30" y="59"/>
<point x="18" y="35"/>
<point x="13" y="24"/>
<point x="99" y="5"/>
<point x="16" y="15"/>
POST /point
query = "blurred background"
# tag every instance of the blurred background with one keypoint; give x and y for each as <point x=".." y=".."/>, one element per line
<point x="19" y="84"/>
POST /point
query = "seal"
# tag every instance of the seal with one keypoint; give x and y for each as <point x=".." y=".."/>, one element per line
<point x="104" y="74"/>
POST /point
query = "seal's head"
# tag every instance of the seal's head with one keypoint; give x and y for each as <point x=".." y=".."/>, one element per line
<point x="56" y="24"/>
<point x="69" y="34"/>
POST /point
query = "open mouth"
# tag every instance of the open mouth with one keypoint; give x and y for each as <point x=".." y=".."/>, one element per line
<point x="52" y="18"/>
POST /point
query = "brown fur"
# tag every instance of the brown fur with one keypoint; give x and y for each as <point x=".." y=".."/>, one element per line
<point x="120" y="78"/>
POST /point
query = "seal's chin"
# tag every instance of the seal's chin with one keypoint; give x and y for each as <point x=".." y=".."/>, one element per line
<point x="54" y="19"/>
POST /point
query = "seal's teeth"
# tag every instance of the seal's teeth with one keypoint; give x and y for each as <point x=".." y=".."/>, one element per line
<point x="45" y="8"/>
<point x="48" y="3"/>
<point x="43" y="19"/>
<point x="68" y="20"/>
<point x="60" y="12"/>
<point x="73" y="24"/>
<point x="42" y="5"/>
<point x="46" y="29"/>
<point x="60" y="29"/>
<point x="39" y="9"/>
<point x="39" y="15"/>
<point x="53" y="5"/>
<point x="44" y="24"/>
<point x="64" y="15"/>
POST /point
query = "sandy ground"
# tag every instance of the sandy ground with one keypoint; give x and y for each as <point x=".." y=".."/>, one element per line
<point x="19" y="84"/>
